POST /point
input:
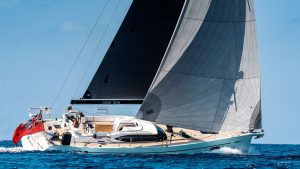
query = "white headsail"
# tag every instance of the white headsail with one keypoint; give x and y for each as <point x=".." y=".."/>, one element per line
<point x="209" y="79"/>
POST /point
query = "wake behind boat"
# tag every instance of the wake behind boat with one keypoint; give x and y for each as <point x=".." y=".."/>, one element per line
<point x="193" y="68"/>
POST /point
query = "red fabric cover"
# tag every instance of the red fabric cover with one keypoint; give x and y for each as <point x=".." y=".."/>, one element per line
<point x="32" y="127"/>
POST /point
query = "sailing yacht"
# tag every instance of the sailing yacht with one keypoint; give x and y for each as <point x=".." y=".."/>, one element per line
<point x="193" y="68"/>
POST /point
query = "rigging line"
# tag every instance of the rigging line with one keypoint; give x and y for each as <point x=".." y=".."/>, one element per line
<point x="79" y="54"/>
<point x="95" y="51"/>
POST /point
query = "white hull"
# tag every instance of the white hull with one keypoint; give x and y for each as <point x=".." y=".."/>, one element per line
<point x="242" y="142"/>
<point x="37" y="141"/>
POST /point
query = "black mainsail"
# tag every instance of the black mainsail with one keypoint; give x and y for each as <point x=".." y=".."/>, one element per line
<point x="132" y="60"/>
<point x="209" y="79"/>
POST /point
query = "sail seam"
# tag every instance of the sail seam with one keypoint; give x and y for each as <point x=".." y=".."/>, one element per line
<point x="252" y="20"/>
<point x="237" y="79"/>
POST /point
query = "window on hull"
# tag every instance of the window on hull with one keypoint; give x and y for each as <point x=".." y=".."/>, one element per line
<point x="140" y="138"/>
<point x="160" y="136"/>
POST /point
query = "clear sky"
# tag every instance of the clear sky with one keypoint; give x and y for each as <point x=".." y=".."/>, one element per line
<point x="40" y="41"/>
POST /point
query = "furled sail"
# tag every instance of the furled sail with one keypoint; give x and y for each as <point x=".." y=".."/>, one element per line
<point x="209" y="79"/>
<point x="132" y="60"/>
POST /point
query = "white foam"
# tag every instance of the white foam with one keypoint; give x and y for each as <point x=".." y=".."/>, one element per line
<point x="11" y="149"/>
<point x="227" y="150"/>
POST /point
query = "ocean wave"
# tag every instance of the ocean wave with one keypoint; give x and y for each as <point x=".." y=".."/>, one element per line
<point x="227" y="150"/>
<point x="11" y="149"/>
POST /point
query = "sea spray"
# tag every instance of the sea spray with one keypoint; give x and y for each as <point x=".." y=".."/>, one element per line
<point x="11" y="149"/>
<point x="227" y="150"/>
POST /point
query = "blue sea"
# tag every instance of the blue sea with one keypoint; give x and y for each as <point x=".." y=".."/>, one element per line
<point x="260" y="156"/>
